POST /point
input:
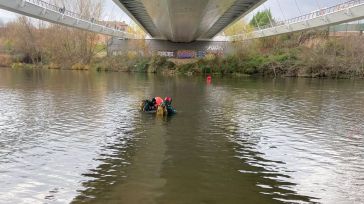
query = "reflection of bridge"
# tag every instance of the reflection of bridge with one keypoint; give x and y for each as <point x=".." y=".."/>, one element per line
<point x="188" y="20"/>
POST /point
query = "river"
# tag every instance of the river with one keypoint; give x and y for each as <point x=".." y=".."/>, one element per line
<point x="77" y="136"/>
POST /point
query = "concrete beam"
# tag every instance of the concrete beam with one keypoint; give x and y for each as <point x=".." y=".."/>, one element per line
<point x="185" y="20"/>
<point x="342" y="13"/>
<point x="51" y="13"/>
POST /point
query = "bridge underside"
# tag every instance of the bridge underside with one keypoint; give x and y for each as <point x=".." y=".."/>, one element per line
<point x="186" y="20"/>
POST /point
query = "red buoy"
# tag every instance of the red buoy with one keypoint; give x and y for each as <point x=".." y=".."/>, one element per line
<point x="208" y="79"/>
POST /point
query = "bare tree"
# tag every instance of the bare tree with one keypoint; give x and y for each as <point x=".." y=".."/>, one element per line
<point x="64" y="46"/>
<point x="80" y="46"/>
<point x="43" y="42"/>
<point x="23" y="38"/>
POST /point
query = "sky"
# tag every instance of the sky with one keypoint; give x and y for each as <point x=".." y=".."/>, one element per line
<point x="286" y="9"/>
<point x="281" y="9"/>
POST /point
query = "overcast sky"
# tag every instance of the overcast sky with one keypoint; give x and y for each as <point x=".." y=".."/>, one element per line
<point x="281" y="9"/>
<point x="285" y="9"/>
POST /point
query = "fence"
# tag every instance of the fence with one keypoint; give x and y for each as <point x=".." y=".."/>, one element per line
<point x="315" y="14"/>
<point x="64" y="11"/>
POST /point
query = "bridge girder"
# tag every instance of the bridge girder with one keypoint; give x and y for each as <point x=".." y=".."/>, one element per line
<point x="187" y="20"/>
<point x="51" y="13"/>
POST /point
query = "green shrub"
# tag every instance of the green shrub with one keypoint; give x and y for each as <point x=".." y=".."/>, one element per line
<point x="141" y="65"/>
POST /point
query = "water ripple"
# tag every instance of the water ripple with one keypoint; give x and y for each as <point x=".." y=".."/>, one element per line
<point x="48" y="144"/>
<point x="314" y="143"/>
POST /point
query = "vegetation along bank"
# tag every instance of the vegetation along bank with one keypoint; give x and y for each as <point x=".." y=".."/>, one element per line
<point x="317" y="53"/>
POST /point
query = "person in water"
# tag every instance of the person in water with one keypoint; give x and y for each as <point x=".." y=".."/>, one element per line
<point x="158" y="101"/>
<point x="151" y="105"/>
<point x="168" y="104"/>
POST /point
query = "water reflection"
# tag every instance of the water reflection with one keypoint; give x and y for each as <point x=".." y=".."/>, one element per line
<point x="263" y="172"/>
<point x="78" y="137"/>
<point x="300" y="134"/>
<point x="50" y="132"/>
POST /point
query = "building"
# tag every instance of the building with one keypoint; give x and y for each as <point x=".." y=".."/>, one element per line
<point x="114" y="24"/>
<point x="117" y="25"/>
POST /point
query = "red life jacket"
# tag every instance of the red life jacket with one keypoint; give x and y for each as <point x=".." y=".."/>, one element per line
<point x="158" y="101"/>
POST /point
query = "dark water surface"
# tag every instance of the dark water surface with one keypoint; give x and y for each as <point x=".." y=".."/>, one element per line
<point x="78" y="137"/>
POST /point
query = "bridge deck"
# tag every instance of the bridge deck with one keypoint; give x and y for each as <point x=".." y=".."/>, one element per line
<point x="44" y="11"/>
<point x="341" y="13"/>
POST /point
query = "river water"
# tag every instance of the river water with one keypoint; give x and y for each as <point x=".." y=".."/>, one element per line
<point x="68" y="136"/>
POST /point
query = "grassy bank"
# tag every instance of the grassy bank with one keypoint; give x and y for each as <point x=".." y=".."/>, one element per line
<point x="288" y="62"/>
<point x="307" y="54"/>
<point x="295" y="62"/>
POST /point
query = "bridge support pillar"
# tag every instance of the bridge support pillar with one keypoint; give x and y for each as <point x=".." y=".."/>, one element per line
<point x="117" y="46"/>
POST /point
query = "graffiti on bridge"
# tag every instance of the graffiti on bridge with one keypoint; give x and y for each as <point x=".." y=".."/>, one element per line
<point x="185" y="54"/>
<point x="166" y="54"/>
<point x="213" y="50"/>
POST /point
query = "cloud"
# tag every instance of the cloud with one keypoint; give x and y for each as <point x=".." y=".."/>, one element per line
<point x="286" y="9"/>
<point x="113" y="12"/>
<point x="7" y="16"/>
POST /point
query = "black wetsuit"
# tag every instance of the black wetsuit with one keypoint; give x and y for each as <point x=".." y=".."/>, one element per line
<point x="149" y="105"/>
<point x="169" y="107"/>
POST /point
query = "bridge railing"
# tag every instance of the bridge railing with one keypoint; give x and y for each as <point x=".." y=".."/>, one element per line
<point x="64" y="11"/>
<point x="315" y="14"/>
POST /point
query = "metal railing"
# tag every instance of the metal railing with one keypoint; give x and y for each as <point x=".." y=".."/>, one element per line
<point x="65" y="12"/>
<point x="315" y="14"/>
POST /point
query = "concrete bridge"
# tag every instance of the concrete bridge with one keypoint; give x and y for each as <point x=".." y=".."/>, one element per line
<point x="341" y="13"/>
<point x="188" y="20"/>
<point x="48" y="12"/>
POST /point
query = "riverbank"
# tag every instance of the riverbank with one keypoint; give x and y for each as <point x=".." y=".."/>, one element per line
<point x="313" y="55"/>
<point x="300" y="61"/>
<point x="291" y="63"/>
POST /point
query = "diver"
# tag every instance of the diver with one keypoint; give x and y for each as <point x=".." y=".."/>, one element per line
<point x="149" y="105"/>
<point x="168" y="104"/>
<point x="152" y="105"/>
<point x="158" y="103"/>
